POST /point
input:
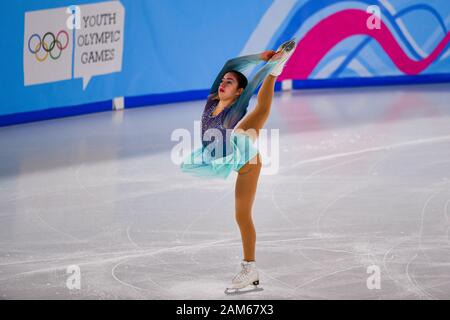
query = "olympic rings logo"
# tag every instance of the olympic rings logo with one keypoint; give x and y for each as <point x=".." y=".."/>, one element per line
<point x="47" y="47"/>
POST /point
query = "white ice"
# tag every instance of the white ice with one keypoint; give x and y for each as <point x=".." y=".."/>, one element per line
<point x="363" y="183"/>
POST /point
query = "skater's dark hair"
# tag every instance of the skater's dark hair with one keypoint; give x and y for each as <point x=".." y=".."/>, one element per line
<point x="241" y="78"/>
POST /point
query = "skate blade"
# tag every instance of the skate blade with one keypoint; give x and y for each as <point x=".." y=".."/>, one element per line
<point x="235" y="292"/>
<point x="287" y="46"/>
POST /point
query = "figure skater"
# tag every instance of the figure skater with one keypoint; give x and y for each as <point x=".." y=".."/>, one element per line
<point x="225" y="109"/>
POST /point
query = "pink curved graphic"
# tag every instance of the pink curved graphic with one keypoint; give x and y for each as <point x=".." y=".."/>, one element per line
<point x="339" y="26"/>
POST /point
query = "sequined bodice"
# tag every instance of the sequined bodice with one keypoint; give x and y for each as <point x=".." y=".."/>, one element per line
<point x="209" y="121"/>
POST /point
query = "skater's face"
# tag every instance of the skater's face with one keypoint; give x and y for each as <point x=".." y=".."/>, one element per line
<point x="228" y="89"/>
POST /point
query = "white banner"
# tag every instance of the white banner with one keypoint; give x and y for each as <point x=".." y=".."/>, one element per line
<point x="75" y="42"/>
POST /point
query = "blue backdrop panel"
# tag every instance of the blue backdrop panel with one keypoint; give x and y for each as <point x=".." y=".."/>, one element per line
<point x="173" y="49"/>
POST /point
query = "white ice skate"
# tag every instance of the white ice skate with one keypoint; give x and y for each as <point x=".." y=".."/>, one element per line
<point x="287" y="49"/>
<point x="246" y="277"/>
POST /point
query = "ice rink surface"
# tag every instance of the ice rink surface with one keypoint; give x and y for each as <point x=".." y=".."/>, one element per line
<point x="363" y="185"/>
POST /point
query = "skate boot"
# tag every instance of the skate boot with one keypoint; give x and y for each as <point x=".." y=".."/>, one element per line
<point x="246" y="277"/>
<point x="287" y="49"/>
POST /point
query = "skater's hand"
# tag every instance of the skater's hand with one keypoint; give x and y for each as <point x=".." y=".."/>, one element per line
<point x="266" y="55"/>
<point x="277" y="56"/>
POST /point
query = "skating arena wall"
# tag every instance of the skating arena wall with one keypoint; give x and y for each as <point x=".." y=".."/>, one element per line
<point x="69" y="57"/>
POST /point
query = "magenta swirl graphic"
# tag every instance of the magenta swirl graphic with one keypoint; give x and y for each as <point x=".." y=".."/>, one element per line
<point x="337" y="27"/>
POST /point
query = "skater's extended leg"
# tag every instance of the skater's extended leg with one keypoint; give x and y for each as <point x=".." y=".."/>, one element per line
<point x="258" y="116"/>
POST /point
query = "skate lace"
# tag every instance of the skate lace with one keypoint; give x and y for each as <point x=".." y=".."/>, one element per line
<point x="243" y="274"/>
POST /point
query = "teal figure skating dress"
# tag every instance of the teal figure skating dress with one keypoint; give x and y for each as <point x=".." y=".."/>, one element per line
<point x="216" y="158"/>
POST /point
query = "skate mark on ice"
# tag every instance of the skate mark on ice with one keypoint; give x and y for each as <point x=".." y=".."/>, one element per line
<point x="374" y="149"/>
<point x="345" y="194"/>
<point x="420" y="291"/>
